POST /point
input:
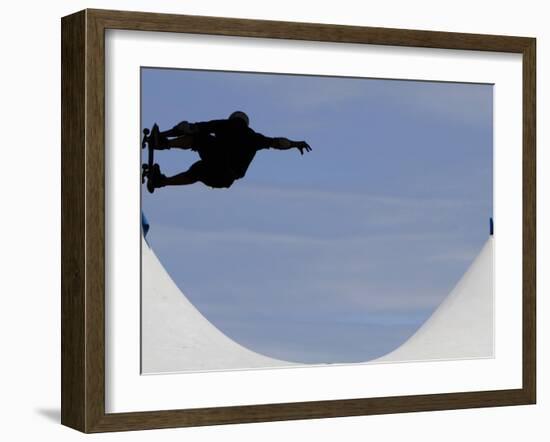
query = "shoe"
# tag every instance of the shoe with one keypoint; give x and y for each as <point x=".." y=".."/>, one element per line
<point x="160" y="141"/>
<point x="155" y="178"/>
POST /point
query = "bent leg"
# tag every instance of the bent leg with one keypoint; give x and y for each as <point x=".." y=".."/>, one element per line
<point x="200" y="171"/>
<point x="190" y="176"/>
<point x="183" y="142"/>
<point x="181" y="179"/>
<point x="198" y="142"/>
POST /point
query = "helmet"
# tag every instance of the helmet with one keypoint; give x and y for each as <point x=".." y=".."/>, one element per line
<point x="240" y="115"/>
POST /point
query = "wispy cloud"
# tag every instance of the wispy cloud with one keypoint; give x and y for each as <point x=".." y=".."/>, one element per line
<point x="307" y="270"/>
<point x="469" y="104"/>
<point x="328" y="196"/>
<point x="171" y="234"/>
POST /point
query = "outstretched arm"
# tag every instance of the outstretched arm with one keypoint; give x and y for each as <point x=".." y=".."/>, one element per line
<point x="281" y="143"/>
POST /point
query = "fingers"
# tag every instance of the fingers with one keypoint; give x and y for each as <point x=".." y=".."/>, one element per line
<point x="302" y="145"/>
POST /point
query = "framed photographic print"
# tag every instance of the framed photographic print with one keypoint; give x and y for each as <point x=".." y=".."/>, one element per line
<point x="270" y="220"/>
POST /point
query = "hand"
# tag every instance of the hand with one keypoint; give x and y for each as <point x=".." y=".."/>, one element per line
<point x="302" y="145"/>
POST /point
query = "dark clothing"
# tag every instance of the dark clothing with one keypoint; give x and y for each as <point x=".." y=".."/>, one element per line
<point x="226" y="148"/>
<point x="212" y="174"/>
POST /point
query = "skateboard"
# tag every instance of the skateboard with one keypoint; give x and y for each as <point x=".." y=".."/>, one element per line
<point x="150" y="139"/>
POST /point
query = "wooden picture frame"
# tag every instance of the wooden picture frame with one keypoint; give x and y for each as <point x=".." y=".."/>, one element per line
<point x="83" y="220"/>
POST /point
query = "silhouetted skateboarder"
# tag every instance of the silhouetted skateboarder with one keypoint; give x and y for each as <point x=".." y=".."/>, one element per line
<point x="226" y="148"/>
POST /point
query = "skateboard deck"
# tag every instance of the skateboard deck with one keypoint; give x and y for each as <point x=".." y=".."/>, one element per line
<point x="150" y="139"/>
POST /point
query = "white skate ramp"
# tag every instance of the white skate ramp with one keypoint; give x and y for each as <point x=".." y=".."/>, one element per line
<point x="462" y="326"/>
<point x="177" y="337"/>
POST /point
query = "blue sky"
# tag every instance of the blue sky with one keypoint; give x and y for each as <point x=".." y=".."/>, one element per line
<point x="338" y="255"/>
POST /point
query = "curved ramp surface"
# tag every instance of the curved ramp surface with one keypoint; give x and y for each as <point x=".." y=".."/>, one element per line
<point x="462" y="326"/>
<point x="177" y="337"/>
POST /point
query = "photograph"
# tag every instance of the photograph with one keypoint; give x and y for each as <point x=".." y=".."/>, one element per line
<point x="311" y="220"/>
<point x="270" y="220"/>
